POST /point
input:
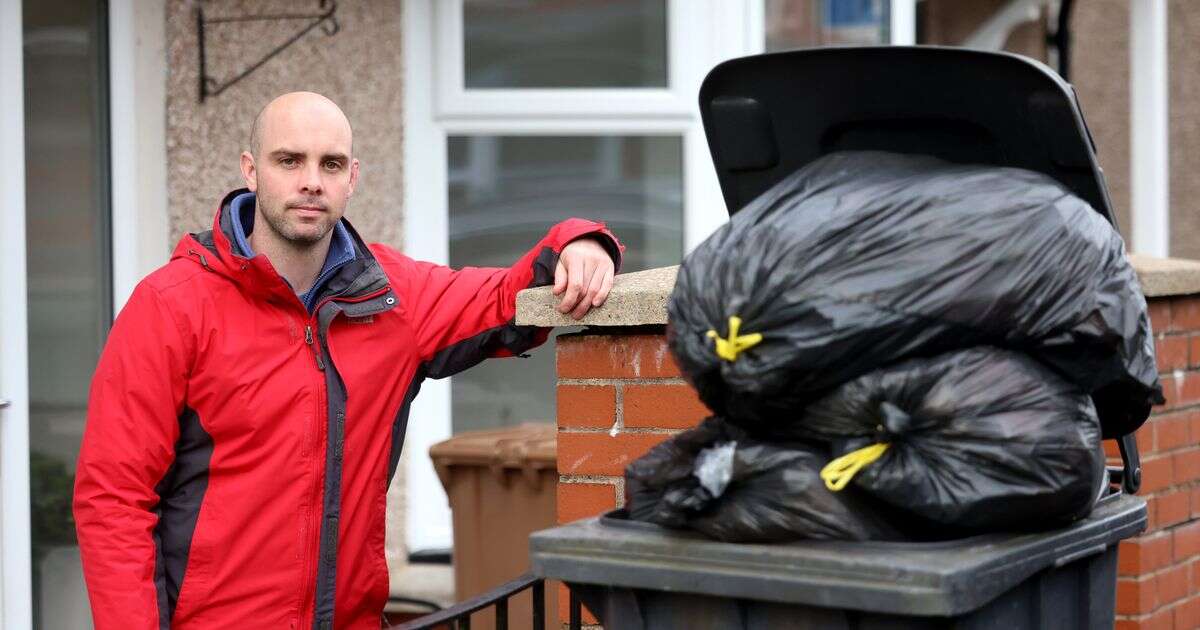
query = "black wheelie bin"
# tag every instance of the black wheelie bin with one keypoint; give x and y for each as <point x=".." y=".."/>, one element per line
<point x="766" y="116"/>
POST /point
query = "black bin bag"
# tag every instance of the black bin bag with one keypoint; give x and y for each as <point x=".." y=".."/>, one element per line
<point x="715" y="480"/>
<point x="862" y="259"/>
<point x="976" y="440"/>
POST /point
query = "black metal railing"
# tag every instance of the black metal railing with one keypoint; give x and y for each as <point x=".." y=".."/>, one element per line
<point x="458" y="616"/>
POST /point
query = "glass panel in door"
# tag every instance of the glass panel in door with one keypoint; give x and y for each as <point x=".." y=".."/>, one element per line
<point x="69" y="288"/>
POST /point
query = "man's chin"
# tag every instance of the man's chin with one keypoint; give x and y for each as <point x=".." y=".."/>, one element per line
<point x="306" y="237"/>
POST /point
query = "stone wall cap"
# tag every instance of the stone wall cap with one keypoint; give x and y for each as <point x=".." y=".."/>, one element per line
<point x="640" y="298"/>
<point x="1166" y="276"/>
<point x="636" y="299"/>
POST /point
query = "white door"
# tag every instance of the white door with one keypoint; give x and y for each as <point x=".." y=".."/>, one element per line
<point x="56" y="291"/>
<point x="14" y="400"/>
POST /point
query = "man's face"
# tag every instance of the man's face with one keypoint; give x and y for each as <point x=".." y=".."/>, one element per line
<point x="303" y="173"/>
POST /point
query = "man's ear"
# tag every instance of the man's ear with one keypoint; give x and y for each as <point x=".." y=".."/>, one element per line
<point x="353" y="177"/>
<point x="249" y="171"/>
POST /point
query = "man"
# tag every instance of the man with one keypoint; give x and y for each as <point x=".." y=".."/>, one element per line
<point x="247" y="413"/>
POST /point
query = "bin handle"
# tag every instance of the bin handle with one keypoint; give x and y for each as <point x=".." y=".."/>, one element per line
<point x="1131" y="464"/>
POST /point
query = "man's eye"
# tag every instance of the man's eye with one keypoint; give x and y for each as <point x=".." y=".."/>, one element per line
<point x="333" y="166"/>
<point x="288" y="162"/>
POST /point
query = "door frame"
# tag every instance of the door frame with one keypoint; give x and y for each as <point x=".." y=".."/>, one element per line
<point x="139" y="220"/>
<point x="15" y="564"/>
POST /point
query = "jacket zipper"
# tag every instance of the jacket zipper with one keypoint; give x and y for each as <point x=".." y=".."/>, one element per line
<point x="312" y="533"/>
<point x="309" y="576"/>
<point x="308" y="339"/>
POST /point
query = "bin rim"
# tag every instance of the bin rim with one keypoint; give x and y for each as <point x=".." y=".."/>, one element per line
<point x="919" y="579"/>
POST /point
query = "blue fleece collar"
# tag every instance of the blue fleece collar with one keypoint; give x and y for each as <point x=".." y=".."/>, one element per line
<point x="341" y="246"/>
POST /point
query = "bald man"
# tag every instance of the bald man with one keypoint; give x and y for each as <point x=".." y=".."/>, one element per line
<point x="247" y="413"/>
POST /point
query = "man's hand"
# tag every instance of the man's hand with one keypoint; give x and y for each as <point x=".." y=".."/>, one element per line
<point x="585" y="274"/>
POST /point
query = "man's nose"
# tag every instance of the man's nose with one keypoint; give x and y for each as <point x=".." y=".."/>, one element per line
<point x="310" y="182"/>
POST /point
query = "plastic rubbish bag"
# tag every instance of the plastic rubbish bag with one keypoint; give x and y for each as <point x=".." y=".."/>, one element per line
<point x="977" y="440"/>
<point x="716" y="480"/>
<point x="863" y="259"/>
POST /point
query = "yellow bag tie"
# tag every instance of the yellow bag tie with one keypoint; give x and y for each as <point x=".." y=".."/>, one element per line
<point x="840" y="471"/>
<point x="730" y="348"/>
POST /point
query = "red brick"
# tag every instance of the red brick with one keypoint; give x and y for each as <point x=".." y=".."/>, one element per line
<point x="1196" y="502"/>
<point x="1158" y="472"/>
<point x="663" y="406"/>
<point x="1187" y="389"/>
<point x="1195" y="567"/>
<point x="1187" y="613"/>
<point x="1174" y="584"/>
<point x="583" y="500"/>
<point x="587" y="405"/>
<point x="1171" y="431"/>
<point x="601" y="453"/>
<point x="1136" y="596"/>
<point x="615" y="356"/>
<point x="1185" y="314"/>
<point x="1161" y="619"/>
<point x="1145" y="554"/>
<point x="1170" y="391"/>
<point x="1186" y="465"/>
<point x="1151" y="514"/>
<point x="1160" y="315"/>
<point x="1173" y="508"/>
<point x="1172" y="353"/>
<point x="564" y="607"/>
<point x="1186" y="542"/>
<point x="1113" y="452"/>
<point x="1194" y="351"/>
<point x="1146" y="437"/>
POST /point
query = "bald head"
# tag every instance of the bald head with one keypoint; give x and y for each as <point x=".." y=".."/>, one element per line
<point x="301" y="170"/>
<point x="297" y="111"/>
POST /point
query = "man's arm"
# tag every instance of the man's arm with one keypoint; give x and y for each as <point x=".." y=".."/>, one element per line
<point x="464" y="316"/>
<point x="128" y="444"/>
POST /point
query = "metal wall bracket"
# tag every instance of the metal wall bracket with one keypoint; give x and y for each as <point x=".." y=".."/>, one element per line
<point x="210" y="86"/>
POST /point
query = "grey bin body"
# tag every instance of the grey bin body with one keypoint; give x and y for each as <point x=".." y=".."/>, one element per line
<point x="635" y="576"/>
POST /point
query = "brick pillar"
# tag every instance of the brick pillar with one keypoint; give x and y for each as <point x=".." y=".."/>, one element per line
<point x="1159" y="583"/>
<point x="618" y="396"/>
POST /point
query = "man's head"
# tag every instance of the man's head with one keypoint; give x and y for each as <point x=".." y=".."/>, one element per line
<point x="300" y="166"/>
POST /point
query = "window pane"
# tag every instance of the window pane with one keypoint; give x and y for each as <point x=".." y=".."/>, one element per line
<point x="69" y="294"/>
<point x="565" y="43"/>
<point x="807" y="23"/>
<point x="506" y="191"/>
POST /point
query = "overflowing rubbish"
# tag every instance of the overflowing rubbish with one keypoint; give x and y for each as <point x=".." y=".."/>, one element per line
<point x="863" y="259"/>
<point x="890" y="339"/>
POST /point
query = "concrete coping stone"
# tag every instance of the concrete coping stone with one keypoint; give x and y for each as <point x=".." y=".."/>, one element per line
<point x="640" y="298"/>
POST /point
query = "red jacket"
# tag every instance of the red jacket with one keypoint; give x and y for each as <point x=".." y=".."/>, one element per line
<point x="238" y="450"/>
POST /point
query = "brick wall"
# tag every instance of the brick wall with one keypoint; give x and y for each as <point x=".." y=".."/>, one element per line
<point x="618" y="396"/>
<point x="1159" y="572"/>
<point x="620" y="393"/>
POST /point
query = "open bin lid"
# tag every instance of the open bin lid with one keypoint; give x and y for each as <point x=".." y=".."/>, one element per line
<point x="766" y="116"/>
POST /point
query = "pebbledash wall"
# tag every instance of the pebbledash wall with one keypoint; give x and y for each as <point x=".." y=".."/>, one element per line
<point x="620" y="393"/>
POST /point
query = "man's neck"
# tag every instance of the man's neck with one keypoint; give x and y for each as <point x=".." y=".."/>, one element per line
<point x="299" y="265"/>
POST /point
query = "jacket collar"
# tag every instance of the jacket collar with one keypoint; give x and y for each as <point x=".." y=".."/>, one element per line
<point x="214" y="250"/>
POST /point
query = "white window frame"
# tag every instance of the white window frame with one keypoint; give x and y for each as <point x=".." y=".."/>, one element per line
<point x="701" y="33"/>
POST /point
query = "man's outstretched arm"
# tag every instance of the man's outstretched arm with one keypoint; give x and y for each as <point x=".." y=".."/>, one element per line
<point x="464" y="316"/>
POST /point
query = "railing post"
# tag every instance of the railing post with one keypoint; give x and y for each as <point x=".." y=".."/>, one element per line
<point x="576" y="612"/>
<point x="502" y="614"/>
<point x="539" y="605"/>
